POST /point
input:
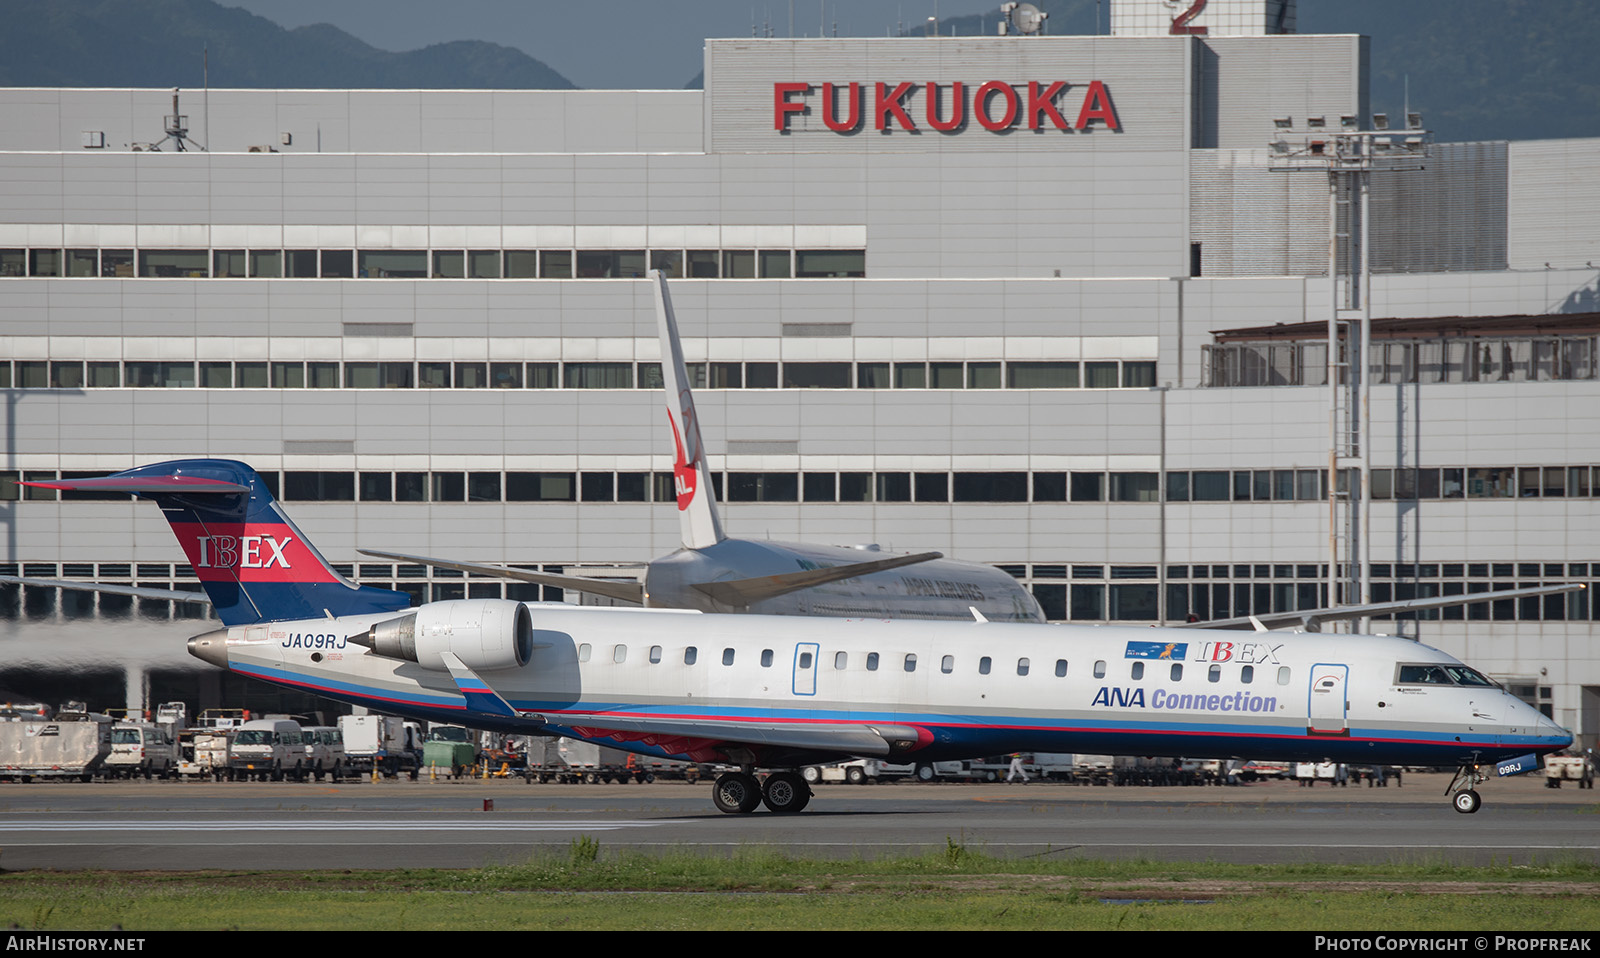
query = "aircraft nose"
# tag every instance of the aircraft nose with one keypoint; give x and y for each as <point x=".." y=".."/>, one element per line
<point x="1556" y="736"/>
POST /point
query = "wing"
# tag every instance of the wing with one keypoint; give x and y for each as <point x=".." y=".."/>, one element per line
<point x="1311" y="620"/>
<point x="693" y="738"/>
<point x="611" y="588"/>
<point x="138" y="592"/>
<point x="743" y="592"/>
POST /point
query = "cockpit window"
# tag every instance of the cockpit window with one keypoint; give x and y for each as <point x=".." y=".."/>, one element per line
<point x="1423" y="675"/>
<point x="1466" y="676"/>
<point x="1435" y="674"/>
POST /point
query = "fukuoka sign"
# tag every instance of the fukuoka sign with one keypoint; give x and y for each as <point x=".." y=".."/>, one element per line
<point x="995" y="106"/>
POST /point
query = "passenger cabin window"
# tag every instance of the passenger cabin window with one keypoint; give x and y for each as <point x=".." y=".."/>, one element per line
<point x="1214" y="674"/>
<point x="983" y="665"/>
<point x="1061" y="668"/>
<point x="840" y="660"/>
<point x="766" y="658"/>
<point x="1137" y="672"/>
<point x="583" y="652"/>
<point x="619" y="654"/>
<point x="1177" y="671"/>
<point x="1247" y="674"/>
<point x="655" y="655"/>
<point x="690" y="654"/>
<point x="727" y="656"/>
<point x="1022" y="666"/>
<point x="947" y="664"/>
<point x="911" y="662"/>
<point x="1283" y="675"/>
<point x="872" y="661"/>
<point x="1100" y="668"/>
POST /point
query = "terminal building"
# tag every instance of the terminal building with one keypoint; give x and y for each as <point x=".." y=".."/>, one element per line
<point x="1056" y="303"/>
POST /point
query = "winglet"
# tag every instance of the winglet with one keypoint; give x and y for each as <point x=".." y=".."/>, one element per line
<point x="697" y="509"/>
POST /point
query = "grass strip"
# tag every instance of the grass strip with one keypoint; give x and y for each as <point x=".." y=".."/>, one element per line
<point x="959" y="888"/>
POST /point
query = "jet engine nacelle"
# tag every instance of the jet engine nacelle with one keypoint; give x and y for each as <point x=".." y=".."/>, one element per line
<point x="486" y="634"/>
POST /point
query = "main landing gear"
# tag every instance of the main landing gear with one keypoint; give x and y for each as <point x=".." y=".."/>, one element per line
<point x="738" y="793"/>
<point x="1464" y="797"/>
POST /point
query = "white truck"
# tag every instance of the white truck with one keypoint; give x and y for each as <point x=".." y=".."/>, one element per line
<point x="382" y="742"/>
<point x="73" y="744"/>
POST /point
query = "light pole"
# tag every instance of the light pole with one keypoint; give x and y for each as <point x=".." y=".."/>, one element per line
<point x="1348" y="156"/>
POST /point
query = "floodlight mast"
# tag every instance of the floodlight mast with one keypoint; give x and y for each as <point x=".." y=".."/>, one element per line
<point x="1348" y="156"/>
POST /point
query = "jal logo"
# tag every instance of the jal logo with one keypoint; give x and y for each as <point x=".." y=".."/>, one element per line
<point x="684" y="472"/>
<point x="243" y="552"/>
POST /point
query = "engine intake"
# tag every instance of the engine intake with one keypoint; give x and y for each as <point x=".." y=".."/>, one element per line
<point x="486" y="634"/>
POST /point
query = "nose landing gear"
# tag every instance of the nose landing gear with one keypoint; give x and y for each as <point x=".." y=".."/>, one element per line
<point x="1464" y="797"/>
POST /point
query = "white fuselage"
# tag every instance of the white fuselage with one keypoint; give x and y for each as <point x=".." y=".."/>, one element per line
<point x="969" y="688"/>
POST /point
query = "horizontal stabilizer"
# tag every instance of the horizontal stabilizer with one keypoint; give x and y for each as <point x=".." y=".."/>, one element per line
<point x="1311" y="620"/>
<point x="137" y="592"/>
<point x="159" y="485"/>
<point x="611" y="588"/>
<point x="742" y="593"/>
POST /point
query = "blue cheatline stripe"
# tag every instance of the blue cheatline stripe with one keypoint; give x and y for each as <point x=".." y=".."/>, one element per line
<point x="955" y="727"/>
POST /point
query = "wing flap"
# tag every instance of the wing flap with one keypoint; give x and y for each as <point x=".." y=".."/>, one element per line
<point x="864" y="740"/>
<point x="743" y="592"/>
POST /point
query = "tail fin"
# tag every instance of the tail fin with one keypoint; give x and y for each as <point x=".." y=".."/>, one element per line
<point x="697" y="507"/>
<point x="250" y="558"/>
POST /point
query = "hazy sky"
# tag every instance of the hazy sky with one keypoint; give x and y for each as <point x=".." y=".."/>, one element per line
<point x="616" y="44"/>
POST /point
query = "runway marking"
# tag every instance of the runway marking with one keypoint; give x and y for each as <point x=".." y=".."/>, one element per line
<point x="332" y="825"/>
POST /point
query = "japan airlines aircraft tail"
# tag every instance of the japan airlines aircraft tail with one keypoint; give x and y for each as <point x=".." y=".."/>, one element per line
<point x="714" y="573"/>
<point x="782" y="692"/>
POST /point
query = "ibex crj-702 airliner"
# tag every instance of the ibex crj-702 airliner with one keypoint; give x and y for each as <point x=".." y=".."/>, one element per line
<point x="780" y="692"/>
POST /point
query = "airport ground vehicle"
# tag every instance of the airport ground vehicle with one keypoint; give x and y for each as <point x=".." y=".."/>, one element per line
<point x="1310" y="773"/>
<point x="324" y="748"/>
<point x="390" y="745"/>
<point x="267" y="749"/>
<point x="75" y="743"/>
<point x="203" y="753"/>
<point x="862" y="771"/>
<point x="141" y="750"/>
<point x="571" y="761"/>
<point x="450" y="749"/>
<point x="1569" y="768"/>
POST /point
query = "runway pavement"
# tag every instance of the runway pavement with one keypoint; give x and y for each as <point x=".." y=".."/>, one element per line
<point x="170" y="825"/>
